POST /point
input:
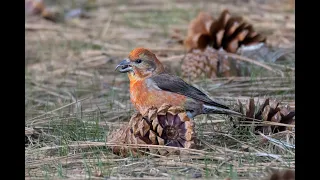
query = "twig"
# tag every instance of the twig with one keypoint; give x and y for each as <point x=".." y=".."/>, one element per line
<point x="172" y="58"/>
<point x="106" y="27"/>
<point x="242" y="58"/>
<point x="40" y="27"/>
<point x="277" y="141"/>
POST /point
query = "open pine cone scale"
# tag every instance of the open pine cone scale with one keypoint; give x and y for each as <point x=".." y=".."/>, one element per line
<point x="227" y="32"/>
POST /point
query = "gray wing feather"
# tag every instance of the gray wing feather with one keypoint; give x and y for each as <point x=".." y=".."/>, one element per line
<point x="175" y="84"/>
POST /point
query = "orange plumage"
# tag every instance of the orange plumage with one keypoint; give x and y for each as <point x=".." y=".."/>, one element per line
<point x="151" y="86"/>
<point x="143" y="97"/>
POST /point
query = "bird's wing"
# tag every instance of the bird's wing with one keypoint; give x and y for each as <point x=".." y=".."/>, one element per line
<point x="175" y="84"/>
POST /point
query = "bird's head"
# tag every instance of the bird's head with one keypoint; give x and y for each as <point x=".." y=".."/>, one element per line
<point x="141" y="63"/>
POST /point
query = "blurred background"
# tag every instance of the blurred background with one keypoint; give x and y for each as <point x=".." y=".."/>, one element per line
<point x="73" y="96"/>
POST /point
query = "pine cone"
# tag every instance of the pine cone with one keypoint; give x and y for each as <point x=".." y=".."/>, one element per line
<point x="125" y="136"/>
<point x="227" y="32"/>
<point x="286" y="174"/>
<point x="34" y="6"/>
<point x="38" y="7"/>
<point x="269" y="112"/>
<point x="168" y="125"/>
<point x="208" y="64"/>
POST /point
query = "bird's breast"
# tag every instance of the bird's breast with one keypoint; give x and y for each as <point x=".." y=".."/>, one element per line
<point x="143" y="96"/>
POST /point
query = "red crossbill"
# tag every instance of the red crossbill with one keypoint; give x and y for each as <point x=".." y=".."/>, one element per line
<point x="150" y="86"/>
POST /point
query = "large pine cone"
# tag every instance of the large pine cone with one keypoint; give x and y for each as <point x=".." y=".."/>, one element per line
<point x="38" y="7"/>
<point x="168" y="125"/>
<point x="208" y="64"/>
<point x="34" y="6"/>
<point x="269" y="112"/>
<point x="227" y="32"/>
<point x="284" y="174"/>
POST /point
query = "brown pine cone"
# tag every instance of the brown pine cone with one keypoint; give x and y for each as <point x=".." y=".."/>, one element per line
<point x="125" y="136"/>
<point x="168" y="126"/>
<point x="286" y="174"/>
<point x="198" y="31"/>
<point x="283" y="175"/>
<point x="38" y="7"/>
<point x="269" y="112"/>
<point x="208" y="64"/>
<point x="34" y="6"/>
<point x="226" y="32"/>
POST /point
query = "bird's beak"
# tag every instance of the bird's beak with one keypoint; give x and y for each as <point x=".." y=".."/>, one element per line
<point x="124" y="66"/>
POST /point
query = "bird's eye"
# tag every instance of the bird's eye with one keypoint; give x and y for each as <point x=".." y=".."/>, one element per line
<point x="138" y="61"/>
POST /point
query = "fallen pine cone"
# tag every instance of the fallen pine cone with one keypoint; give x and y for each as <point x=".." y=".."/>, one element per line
<point x="286" y="174"/>
<point x="208" y="64"/>
<point x="269" y="112"/>
<point x="168" y="126"/>
<point x="124" y="136"/>
<point x="226" y="32"/>
<point x="38" y="7"/>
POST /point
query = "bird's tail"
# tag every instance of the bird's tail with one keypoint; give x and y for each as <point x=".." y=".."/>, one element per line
<point x="209" y="109"/>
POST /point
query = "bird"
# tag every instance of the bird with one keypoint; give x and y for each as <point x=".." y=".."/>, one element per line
<point x="151" y="85"/>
